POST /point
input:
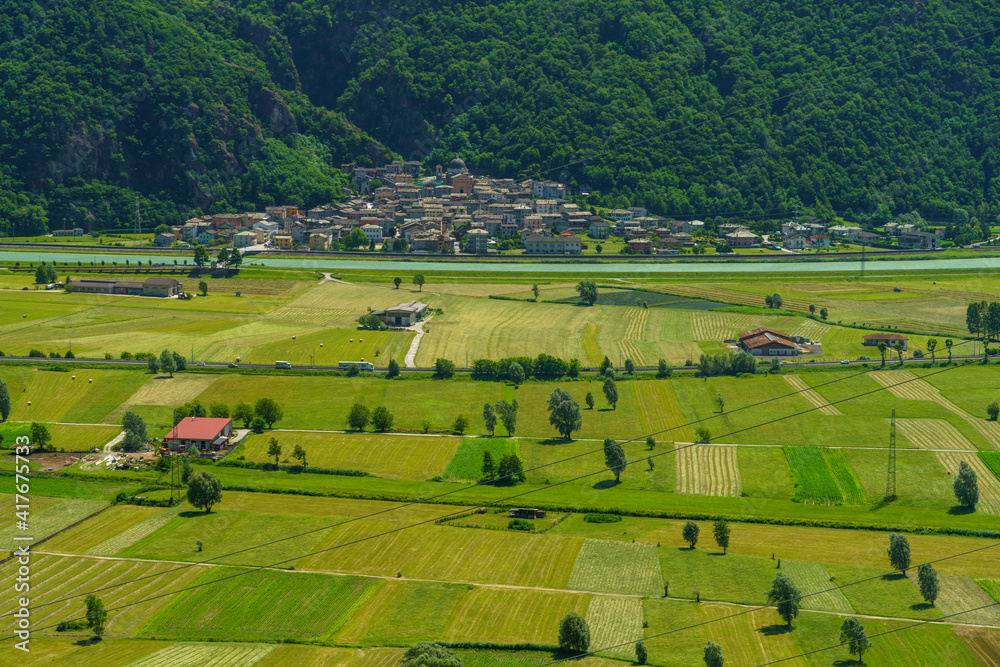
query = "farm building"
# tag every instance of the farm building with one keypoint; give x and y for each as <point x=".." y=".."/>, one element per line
<point x="889" y="339"/>
<point x="203" y="433"/>
<point x="403" y="315"/>
<point x="162" y="287"/>
<point x="768" y="342"/>
<point x="526" y="513"/>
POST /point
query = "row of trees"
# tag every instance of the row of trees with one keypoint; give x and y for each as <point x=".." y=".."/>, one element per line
<point x="983" y="319"/>
<point x="509" y="471"/>
<point x="360" y="415"/>
<point x="505" y="412"/>
<point x="274" y="449"/>
<point x="727" y="363"/>
<point x="517" y="369"/>
<point x="264" y="413"/>
<point x="168" y="362"/>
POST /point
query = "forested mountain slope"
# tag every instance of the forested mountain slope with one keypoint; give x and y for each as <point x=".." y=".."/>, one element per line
<point x="690" y="107"/>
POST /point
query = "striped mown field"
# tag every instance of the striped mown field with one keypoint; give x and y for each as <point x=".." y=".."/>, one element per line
<point x="989" y="485"/>
<point x="708" y="470"/>
<point x="813" y="579"/>
<point x="934" y="434"/>
<point x="511" y="616"/>
<point x="615" y="621"/>
<point x="189" y="654"/>
<point x="617" y="567"/>
<point x="811" y="395"/>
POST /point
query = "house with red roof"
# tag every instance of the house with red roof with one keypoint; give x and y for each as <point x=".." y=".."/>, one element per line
<point x="768" y="342"/>
<point x="202" y="433"/>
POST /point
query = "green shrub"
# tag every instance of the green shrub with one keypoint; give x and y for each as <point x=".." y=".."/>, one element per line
<point x="602" y="518"/>
<point x="520" y="524"/>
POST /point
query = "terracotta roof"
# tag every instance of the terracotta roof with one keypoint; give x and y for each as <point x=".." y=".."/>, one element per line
<point x="765" y="330"/>
<point x="767" y="339"/>
<point x="886" y="336"/>
<point x="198" y="428"/>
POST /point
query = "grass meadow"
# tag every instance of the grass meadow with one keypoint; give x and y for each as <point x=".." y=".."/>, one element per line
<point x="398" y="457"/>
<point x="616" y="567"/>
<point x="261" y="606"/>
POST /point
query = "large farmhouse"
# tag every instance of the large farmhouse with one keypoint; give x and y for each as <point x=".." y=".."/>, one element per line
<point x="202" y="433"/>
<point x="768" y="342"/>
<point x="889" y="339"/>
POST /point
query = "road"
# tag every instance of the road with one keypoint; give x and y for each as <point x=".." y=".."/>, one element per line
<point x="221" y="365"/>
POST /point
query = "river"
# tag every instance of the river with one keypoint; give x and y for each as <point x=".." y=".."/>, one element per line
<point x="577" y="268"/>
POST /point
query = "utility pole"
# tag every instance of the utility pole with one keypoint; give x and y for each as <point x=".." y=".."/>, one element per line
<point x="890" y="482"/>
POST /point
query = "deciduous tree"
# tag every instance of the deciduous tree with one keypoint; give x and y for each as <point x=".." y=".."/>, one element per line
<point x="167" y="362"/>
<point x="274" y="449"/>
<point x="444" y="369"/>
<point x="268" y="410"/>
<point x="203" y="287"/>
<point x="358" y="417"/>
<point x="153" y="363"/>
<point x="507" y="412"/>
<point x="419" y="281"/>
<point x="899" y="552"/>
<point x="430" y="654"/>
<point x="614" y="457"/>
<point x="97" y="616"/>
<point x="490" y="417"/>
<point x="299" y="454"/>
<point x="662" y="370"/>
<point x="784" y="595"/>
<point x="460" y="425"/>
<point x="515" y="373"/>
<point x="489" y="468"/>
<point x="40" y="436"/>
<point x="720" y="529"/>
<point x="574" y="634"/>
<point x="587" y="289"/>
<point x="382" y="419"/>
<point x="204" y="490"/>
<point x="690" y="532"/>
<point x="564" y="413"/>
<point x="397" y="281"/>
<point x="4" y="401"/>
<point x="243" y="412"/>
<point x="713" y="655"/>
<point x="589" y="400"/>
<point x="853" y="634"/>
<point x="927" y="581"/>
<point x="966" y="486"/>
<point x="611" y="392"/>
<point x="641" y="654"/>
<point x="630" y="367"/>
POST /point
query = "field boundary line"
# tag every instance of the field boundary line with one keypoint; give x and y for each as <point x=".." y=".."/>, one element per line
<point x="494" y="502"/>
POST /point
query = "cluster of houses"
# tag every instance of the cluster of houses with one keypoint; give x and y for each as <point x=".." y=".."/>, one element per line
<point x="432" y="212"/>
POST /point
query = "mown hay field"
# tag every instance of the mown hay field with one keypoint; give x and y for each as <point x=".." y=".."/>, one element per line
<point x="151" y="520"/>
<point x="446" y="553"/>
<point x="743" y="641"/>
<point x="394" y="456"/>
<point x="58" y="397"/>
<point x="616" y="567"/>
<point x="811" y="395"/>
<point x="261" y="605"/>
<point x="989" y="485"/>
<point x="615" y="621"/>
<point x="933" y="434"/>
<point x="57" y="577"/>
<point x="510" y="616"/>
<point x="813" y="579"/>
<point x="325" y="656"/>
<point x="414" y="612"/>
<point x="958" y="594"/>
<point x="51" y="519"/>
<point x="107" y="525"/>
<point x="708" y="470"/>
<point x="223" y="528"/>
<point x="814" y="483"/>
<point x="183" y="654"/>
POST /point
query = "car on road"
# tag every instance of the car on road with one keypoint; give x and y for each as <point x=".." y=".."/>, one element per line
<point x="234" y="365"/>
<point x="845" y="361"/>
<point x="200" y="363"/>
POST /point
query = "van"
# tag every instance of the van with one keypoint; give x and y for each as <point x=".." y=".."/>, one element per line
<point x="282" y="364"/>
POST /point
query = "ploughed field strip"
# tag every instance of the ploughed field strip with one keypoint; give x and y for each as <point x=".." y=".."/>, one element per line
<point x="934" y="434"/>
<point x="811" y="395"/>
<point x="916" y="389"/>
<point x="615" y="621"/>
<point x="617" y="567"/>
<point x="189" y="654"/>
<point x="989" y="485"/>
<point x="708" y="470"/>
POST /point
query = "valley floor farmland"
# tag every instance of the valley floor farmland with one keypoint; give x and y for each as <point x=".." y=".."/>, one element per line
<point x="363" y="566"/>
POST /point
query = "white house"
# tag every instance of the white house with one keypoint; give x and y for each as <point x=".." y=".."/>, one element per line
<point x="372" y="233"/>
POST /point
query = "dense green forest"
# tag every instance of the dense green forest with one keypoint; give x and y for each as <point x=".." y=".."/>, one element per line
<point x="692" y="108"/>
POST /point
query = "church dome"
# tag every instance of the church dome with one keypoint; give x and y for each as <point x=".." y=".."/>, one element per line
<point x="456" y="165"/>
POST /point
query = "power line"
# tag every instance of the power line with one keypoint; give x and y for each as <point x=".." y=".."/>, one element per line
<point x="880" y="634"/>
<point x="466" y="488"/>
<point x="751" y="610"/>
<point x="252" y="569"/>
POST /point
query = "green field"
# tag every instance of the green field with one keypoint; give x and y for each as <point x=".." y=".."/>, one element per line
<point x="467" y="463"/>
<point x="616" y="567"/>
<point x="51" y="519"/>
<point x="309" y="606"/>
<point x="814" y="483"/>
<point x="398" y="457"/>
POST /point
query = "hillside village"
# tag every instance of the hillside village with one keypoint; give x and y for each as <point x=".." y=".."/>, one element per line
<point x="455" y="212"/>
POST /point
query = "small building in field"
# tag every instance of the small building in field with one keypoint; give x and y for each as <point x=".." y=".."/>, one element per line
<point x="201" y="433"/>
<point x="768" y="342"/>
<point x="161" y="287"/>
<point x="889" y="339"/>
<point x="403" y="315"/>
<point x="526" y="513"/>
